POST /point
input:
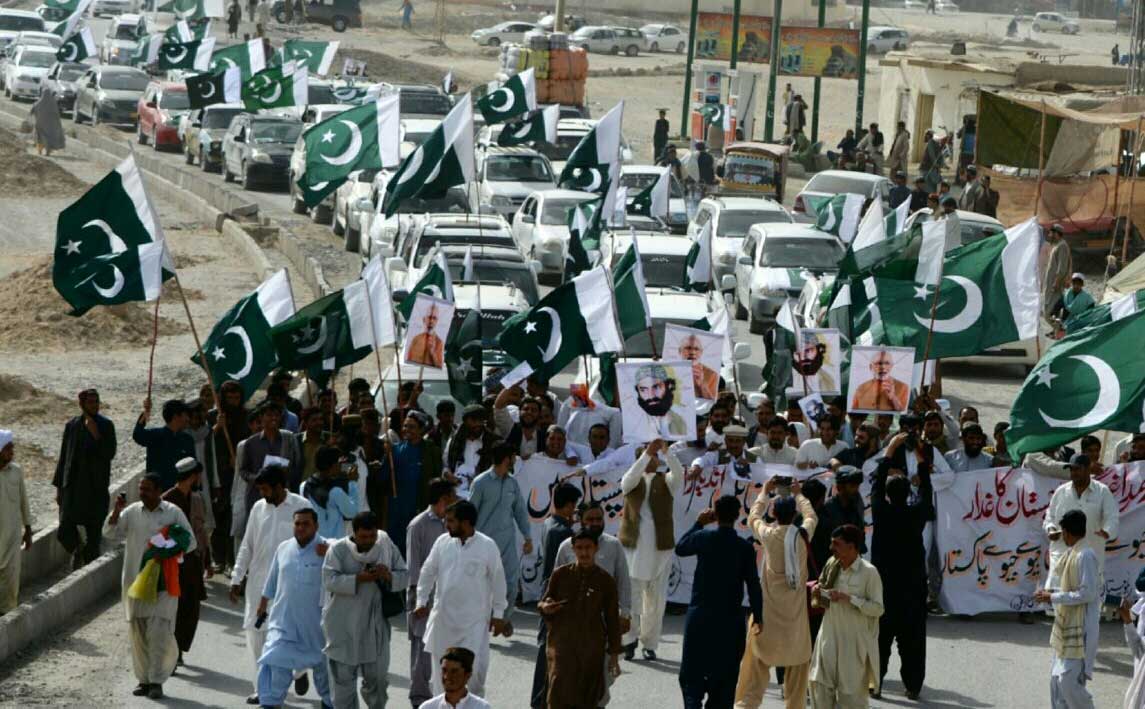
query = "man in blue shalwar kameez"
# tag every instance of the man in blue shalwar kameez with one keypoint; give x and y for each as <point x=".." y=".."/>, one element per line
<point x="294" y="638"/>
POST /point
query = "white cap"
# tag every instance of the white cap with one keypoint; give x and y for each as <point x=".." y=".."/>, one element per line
<point x="1077" y="277"/>
<point x="5" y="438"/>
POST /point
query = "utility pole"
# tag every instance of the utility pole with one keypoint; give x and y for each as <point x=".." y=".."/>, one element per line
<point x="439" y="22"/>
<point x="559" y="17"/>
<point x="688" y="68"/>
<point x="818" y="81"/>
<point x="862" y="66"/>
<point x="773" y="73"/>
<point x="735" y="34"/>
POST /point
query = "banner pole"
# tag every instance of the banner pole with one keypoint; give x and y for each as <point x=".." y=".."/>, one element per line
<point x="202" y="357"/>
<point x="154" y="342"/>
<point x="1132" y="189"/>
<point x="382" y="388"/>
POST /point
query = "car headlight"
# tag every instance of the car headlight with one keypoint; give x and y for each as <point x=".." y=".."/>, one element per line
<point x="259" y="156"/>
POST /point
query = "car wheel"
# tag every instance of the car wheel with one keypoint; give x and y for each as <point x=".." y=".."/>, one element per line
<point x="741" y="312"/>
<point x="340" y="23"/>
<point x="1037" y="27"/>
<point x="353" y="240"/>
<point x="680" y="48"/>
<point x="755" y="327"/>
<point x="248" y="183"/>
<point x="632" y="50"/>
<point x="494" y="42"/>
<point x="228" y="176"/>
<point x="655" y="47"/>
<point x="614" y="50"/>
<point x="872" y="49"/>
<point x="336" y="227"/>
<point x="321" y="214"/>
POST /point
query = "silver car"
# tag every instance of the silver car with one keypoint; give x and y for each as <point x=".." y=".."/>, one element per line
<point x="495" y="36"/>
<point x="506" y="176"/>
<point x="665" y="38"/>
<point x="631" y="40"/>
<point x="596" y="39"/>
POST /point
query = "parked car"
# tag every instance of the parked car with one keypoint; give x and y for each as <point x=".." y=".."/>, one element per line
<point x="12" y="22"/>
<point x="632" y="41"/>
<point x="541" y="228"/>
<point x="52" y="16"/>
<point x="110" y="94"/>
<point x="161" y="107"/>
<point x="492" y="266"/>
<point x="338" y="14"/>
<point x="203" y="131"/>
<point x="665" y="38"/>
<point x="506" y="176"/>
<point x="570" y="131"/>
<point x="105" y="8"/>
<point x="771" y="264"/>
<point x="345" y="221"/>
<point x="1055" y="22"/>
<point x="886" y="39"/>
<point x="122" y="39"/>
<point x="595" y="38"/>
<point x="639" y="177"/>
<point x="731" y="219"/>
<point x="572" y="23"/>
<point x="62" y="80"/>
<point x="26" y="39"/>
<point x="829" y="183"/>
<point x="662" y="256"/>
<point x="386" y="234"/>
<point x="420" y="100"/>
<point x="438" y="230"/>
<point x="947" y="7"/>
<point x="495" y="36"/>
<point x="256" y="149"/>
<point x="25" y="71"/>
<point x="974" y="226"/>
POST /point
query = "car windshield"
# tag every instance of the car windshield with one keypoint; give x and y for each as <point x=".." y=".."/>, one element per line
<point x="320" y="93"/>
<point x="126" y="32"/>
<point x="411" y="102"/>
<point x="427" y="242"/>
<point x="220" y="117"/>
<point x="838" y="184"/>
<point x="455" y="201"/>
<point x="736" y="224"/>
<point x="663" y="270"/>
<point x="566" y="143"/>
<point x="519" y="275"/>
<point x="491" y="323"/>
<point x="651" y="29"/>
<point x="584" y="32"/>
<point x="815" y="254"/>
<point x="54" y="14"/>
<point x="18" y="23"/>
<point x="124" y="81"/>
<point x="432" y="391"/>
<point x="266" y="132"/>
<point x="637" y="181"/>
<point x="556" y="211"/>
<point x="517" y="168"/>
<point x="174" y="101"/>
<point x="37" y="59"/>
<point x="71" y="73"/>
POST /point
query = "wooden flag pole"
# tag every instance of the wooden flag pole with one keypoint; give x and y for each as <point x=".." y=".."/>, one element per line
<point x="202" y="357"/>
<point x="382" y="389"/>
<point x="930" y="334"/>
<point x="1132" y="189"/>
<point x="294" y="306"/>
<point x="154" y="342"/>
<point x="1037" y="204"/>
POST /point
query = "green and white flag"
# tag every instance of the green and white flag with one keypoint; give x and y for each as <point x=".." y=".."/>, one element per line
<point x="914" y="255"/>
<point x="698" y="262"/>
<point x="776" y="372"/>
<point x="539" y="127"/>
<point x="313" y="194"/>
<point x="217" y="87"/>
<point x="71" y="6"/>
<point x="594" y="164"/>
<point x="239" y="347"/>
<point x="71" y="25"/>
<point x="193" y="9"/>
<point x="436" y="282"/>
<point x="573" y="319"/>
<point x="443" y="160"/>
<point x="182" y="32"/>
<point x="276" y="87"/>
<point x="78" y="47"/>
<point x="194" y="55"/>
<point x="1123" y="307"/>
<point x="316" y="56"/>
<point x="247" y="56"/>
<point x="100" y="257"/>
<point x="353" y="94"/>
<point x="986" y="299"/>
<point x="1090" y="380"/>
<point x="517" y="96"/>
<point x="652" y="201"/>
<point x="895" y="220"/>
<point x="362" y="138"/>
<point x="584" y="223"/>
<point x="463" y="354"/>
<point x="838" y="215"/>
<point x="629" y="290"/>
<point x="147" y="50"/>
<point x="717" y="114"/>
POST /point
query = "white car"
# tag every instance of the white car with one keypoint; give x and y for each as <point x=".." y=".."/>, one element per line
<point x="437" y="230"/>
<point x="122" y="38"/>
<point x="886" y="39"/>
<point x="346" y="219"/>
<point x="731" y="219"/>
<point x="506" y="176"/>
<point x="662" y="256"/>
<point x="595" y="38"/>
<point x="570" y="131"/>
<point x="24" y="72"/>
<point x="638" y="177"/>
<point x="318" y="112"/>
<point x="632" y="41"/>
<point x="385" y="235"/>
<point x="775" y="261"/>
<point x="495" y="36"/>
<point x="1055" y="22"/>
<point x="665" y="38"/>
<point x="115" y="7"/>
<point x="416" y="130"/>
<point x="829" y="183"/>
<point x="944" y="6"/>
<point x="541" y="228"/>
<point x="13" y="22"/>
<point x="52" y="16"/>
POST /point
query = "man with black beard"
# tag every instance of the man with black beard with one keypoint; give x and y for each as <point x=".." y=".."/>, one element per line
<point x="659" y="415"/>
<point x="558" y="528"/>
<point x="808" y="361"/>
<point x="734" y="455"/>
<point x="718" y="417"/>
<point x="970" y="455"/>
<point x="470" y="448"/>
<point x="525" y="435"/>
<point x="866" y="447"/>
<point x="83" y="474"/>
<point x="775" y="450"/>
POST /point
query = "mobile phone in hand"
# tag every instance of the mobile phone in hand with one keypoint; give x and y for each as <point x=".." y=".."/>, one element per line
<point x="260" y="620"/>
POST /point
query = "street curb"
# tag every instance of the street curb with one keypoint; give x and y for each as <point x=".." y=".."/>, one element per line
<point x="245" y="244"/>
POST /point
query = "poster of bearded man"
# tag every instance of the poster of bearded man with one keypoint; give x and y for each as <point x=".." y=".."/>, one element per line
<point x="657" y="400"/>
<point x="817" y="362"/>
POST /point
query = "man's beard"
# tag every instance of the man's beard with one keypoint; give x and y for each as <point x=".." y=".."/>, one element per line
<point x="808" y="366"/>
<point x="455" y="533"/>
<point x="363" y="548"/>
<point x="658" y="406"/>
<point x="595" y="531"/>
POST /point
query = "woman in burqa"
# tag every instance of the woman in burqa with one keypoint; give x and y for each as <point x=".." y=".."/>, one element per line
<point x="46" y="125"/>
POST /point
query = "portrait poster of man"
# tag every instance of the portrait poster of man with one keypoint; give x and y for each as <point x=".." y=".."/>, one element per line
<point x="428" y="327"/>
<point x="880" y="379"/>
<point x="656" y="400"/>
<point x="704" y="350"/>
<point x="817" y="362"/>
<point x="814" y="410"/>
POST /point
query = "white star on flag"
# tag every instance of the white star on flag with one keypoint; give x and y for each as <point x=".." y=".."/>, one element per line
<point x="218" y="354"/>
<point x="1045" y="376"/>
<point x="922" y="292"/>
<point x="530" y="326"/>
<point x="73" y="247"/>
<point x="465" y="367"/>
<point x="328" y="136"/>
<point x="307" y="332"/>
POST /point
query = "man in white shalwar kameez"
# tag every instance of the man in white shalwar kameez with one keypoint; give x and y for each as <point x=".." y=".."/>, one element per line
<point x="154" y="651"/>
<point x="271" y="522"/>
<point x="15" y="523"/>
<point x="293" y="594"/>
<point x="357" y="632"/>
<point x="464" y="574"/>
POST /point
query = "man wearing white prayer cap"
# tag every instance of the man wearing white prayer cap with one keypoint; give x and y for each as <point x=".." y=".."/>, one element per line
<point x="15" y="523"/>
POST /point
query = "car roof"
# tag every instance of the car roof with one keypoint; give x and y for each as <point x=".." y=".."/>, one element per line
<point x="37" y="33"/>
<point x="37" y="49"/>
<point x="850" y="175"/>
<point x="641" y="169"/>
<point x="421" y="123"/>
<point x="669" y="303"/>
<point x="484" y="252"/>
<point x="656" y="244"/>
<point x="965" y="216"/>
<point x="564" y="194"/>
<point x="128" y="18"/>
<point x="222" y="106"/>
<point x="447" y="220"/>
<point x="585" y="124"/>
<point x="746" y="204"/>
<point x="493" y="296"/>
<point x="19" y="13"/>
<point x="510" y="150"/>
<point x="73" y="65"/>
<point x="258" y="118"/>
<point x="113" y="69"/>
<point x="171" y="85"/>
<point x="793" y="231"/>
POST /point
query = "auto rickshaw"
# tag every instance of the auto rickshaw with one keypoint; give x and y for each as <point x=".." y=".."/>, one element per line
<point x="754" y="169"/>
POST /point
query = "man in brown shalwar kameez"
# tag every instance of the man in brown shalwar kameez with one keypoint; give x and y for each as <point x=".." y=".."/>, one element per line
<point x="194" y="590"/>
<point x="580" y="607"/>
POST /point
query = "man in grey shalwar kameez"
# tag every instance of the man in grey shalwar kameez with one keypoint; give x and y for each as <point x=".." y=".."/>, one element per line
<point x="46" y="125"/>
<point x="357" y="633"/>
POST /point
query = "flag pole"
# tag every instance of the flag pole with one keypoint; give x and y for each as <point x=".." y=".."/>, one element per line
<point x="382" y="389"/>
<point x="615" y="315"/>
<point x="294" y="307"/>
<point x="1132" y="186"/>
<point x="202" y="357"/>
<point x="1037" y="203"/>
<point x="930" y="334"/>
<point x="154" y="342"/>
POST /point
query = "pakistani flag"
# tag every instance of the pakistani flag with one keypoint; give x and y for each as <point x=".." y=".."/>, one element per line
<point x="215" y="87"/>
<point x="594" y="164"/>
<point x="718" y="114"/>
<point x="986" y="298"/>
<point x="573" y="319"/>
<point x="70" y="5"/>
<point x="316" y="56"/>
<point x="194" y="55"/>
<point x="629" y="290"/>
<point x="584" y="223"/>
<point x="104" y="244"/>
<point x="183" y="31"/>
<point x="192" y="9"/>
<point x="838" y="215"/>
<point x="313" y="194"/>
<point x="1088" y="381"/>
<point x="652" y="201"/>
<point x="332" y="332"/>
<point x="71" y="24"/>
<point x="516" y="96"/>
<point x="248" y="57"/>
<point x="463" y="359"/>
<point x="77" y="47"/>
<point x="436" y="282"/>
<point x="443" y="160"/>
<point x="895" y="221"/>
<point x="914" y="255"/>
<point x="698" y="262"/>
<point x="777" y="373"/>
<point x="362" y="138"/>
<point x="353" y="94"/>
<point x="276" y="87"/>
<point x="147" y="51"/>
<point x="541" y="126"/>
<point x="239" y="346"/>
<point x="1123" y="307"/>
